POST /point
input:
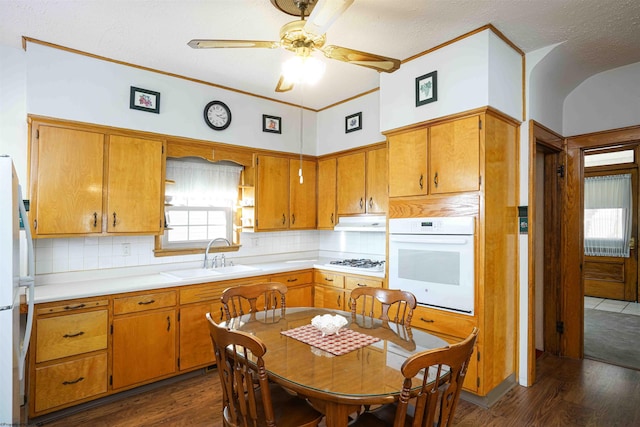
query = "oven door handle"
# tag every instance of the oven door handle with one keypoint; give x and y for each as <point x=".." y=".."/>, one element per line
<point x="420" y="238"/>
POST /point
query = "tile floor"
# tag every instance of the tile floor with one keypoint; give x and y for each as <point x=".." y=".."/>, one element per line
<point x="624" y="307"/>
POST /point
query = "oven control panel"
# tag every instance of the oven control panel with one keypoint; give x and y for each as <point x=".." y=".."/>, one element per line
<point x="439" y="225"/>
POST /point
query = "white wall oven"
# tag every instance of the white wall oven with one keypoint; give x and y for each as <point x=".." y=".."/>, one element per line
<point x="434" y="259"/>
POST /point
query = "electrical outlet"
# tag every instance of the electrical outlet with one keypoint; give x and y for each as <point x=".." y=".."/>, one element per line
<point x="126" y="249"/>
<point x="255" y="241"/>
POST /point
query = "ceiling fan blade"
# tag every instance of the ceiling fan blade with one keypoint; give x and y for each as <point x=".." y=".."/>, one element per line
<point x="364" y="59"/>
<point x="207" y="44"/>
<point x="284" y="85"/>
<point x="324" y="13"/>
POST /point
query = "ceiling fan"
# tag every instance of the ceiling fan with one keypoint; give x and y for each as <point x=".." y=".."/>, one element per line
<point x="304" y="36"/>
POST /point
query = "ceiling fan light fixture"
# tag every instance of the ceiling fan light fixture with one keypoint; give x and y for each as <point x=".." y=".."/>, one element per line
<point x="303" y="69"/>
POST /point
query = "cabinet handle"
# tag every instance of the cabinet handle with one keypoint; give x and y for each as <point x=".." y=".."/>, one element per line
<point x="168" y="323"/>
<point x="361" y="203"/>
<point x="331" y="218"/>
<point x="370" y="202"/>
<point x="95" y="219"/>
<point x="427" y="320"/>
<point x="293" y="218"/>
<point x="435" y="179"/>
<point x="72" y="382"/>
<point x="73" y="335"/>
<point x="292" y="280"/>
<point x="114" y="219"/>
<point x="151" y="301"/>
<point x="421" y="181"/>
<point x="361" y="284"/>
<point x="284" y="219"/>
<point x="339" y="305"/>
<point x="74" y="307"/>
<point x="328" y="280"/>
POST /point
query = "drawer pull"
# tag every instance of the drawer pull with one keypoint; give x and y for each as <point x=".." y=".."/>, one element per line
<point x="72" y="382"/>
<point x="362" y="284"/>
<point x="328" y="280"/>
<point x="292" y="280"/>
<point x="146" y="302"/>
<point x="74" y="307"/>
<point x="427" y="320"/>
<point x="168" y="323"/>
<point x="73" y="335"/>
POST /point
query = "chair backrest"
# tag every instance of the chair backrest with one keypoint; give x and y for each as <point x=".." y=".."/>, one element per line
<point x="240" y="404"/>
<point x="239" y="300"/>
<point x="436" y="401"/>
<point x="392" y="305"/>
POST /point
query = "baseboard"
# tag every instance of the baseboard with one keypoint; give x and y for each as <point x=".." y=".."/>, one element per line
<point x="493" y="396"/>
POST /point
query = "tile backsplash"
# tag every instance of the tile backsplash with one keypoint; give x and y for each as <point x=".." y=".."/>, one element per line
<point x="95" y="253"/>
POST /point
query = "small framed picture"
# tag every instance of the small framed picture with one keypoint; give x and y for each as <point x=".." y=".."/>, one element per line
<point x="427" y="88"/>
<point x="145" y="100"/>
<point x="271" y="124"/>
<point x="353" y="122"/>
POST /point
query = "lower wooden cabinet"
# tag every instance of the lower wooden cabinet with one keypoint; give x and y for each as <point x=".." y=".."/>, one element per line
<point x="300" y="287"/>
<point x="196" y="348"/>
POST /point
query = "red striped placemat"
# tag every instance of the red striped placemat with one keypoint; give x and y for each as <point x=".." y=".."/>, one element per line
<point x="346" y="341"/>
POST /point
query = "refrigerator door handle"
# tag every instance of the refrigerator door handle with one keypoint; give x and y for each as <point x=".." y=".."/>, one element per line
<point x="28" y="282"/>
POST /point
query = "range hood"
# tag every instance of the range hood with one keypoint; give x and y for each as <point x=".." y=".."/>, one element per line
<point x="370" y="223"/>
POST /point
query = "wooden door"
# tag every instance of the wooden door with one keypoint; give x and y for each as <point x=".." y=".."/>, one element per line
<point x="272" y="193"/>
<point x="351" y="184"/>
<point x="144" y="347"/>
<point x="303" y="198"/>
<point x="196" y="348"/>
<point x="328" y="297"/>
<point x="327" y="194"/>
<point x="134" y="185"/>
<point x="66" y="181"/>
<point x="454" y="156"/>
<point x="300" y="296"/>
<point x="377" y="182"/>
<point x="408" y="173"/>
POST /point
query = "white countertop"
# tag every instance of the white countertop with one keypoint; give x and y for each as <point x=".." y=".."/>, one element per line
<point x="63" y="286"/>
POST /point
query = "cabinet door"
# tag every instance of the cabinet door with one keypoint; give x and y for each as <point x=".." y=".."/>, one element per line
<point x="196" y="348"/>
<point x="302" y="204"/>
<point x="144" y="347"/>
<point x="134" y="185"/>
<point x="327" y="297"/>
<point x="300" y="296"/>
<point x="327" y="194"/>
<point x="454" y="156"/>
<point x="408" y="164"/>
<point x="66" y="181"/>
<point x="272" y="193"/>
<point x="351" y="184"/>
<point x="377" y="181"/>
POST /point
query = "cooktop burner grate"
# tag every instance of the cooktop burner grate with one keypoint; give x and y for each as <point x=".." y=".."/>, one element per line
<point x="359" y="263"/>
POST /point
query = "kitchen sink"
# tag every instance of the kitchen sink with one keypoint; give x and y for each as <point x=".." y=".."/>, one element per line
<point x="199" y="273"/>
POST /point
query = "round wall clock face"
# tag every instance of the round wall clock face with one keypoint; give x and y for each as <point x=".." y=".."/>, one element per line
<point x="217" y="115"/>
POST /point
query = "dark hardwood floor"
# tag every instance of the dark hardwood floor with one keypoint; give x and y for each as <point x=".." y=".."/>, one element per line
<point x="568" y="393"/>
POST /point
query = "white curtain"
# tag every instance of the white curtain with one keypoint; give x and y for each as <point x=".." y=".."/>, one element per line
<point x="607" y="215"/>
<point x="200" y="183"/>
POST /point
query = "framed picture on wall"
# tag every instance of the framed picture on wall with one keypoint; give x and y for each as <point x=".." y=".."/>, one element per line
<point x="353" y="122"/>
<point x="427" y="88"/>
<point x="271" y="124"/>
<point x="144" y="100"/>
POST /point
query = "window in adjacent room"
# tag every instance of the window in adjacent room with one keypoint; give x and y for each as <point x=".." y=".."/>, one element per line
<point x="201" y="199"/>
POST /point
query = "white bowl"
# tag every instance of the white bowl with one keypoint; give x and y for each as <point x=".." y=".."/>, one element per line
<point x="329" y="324"/>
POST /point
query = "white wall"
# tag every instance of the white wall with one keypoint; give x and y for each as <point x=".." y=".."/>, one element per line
<point x="13" y="123"/>
<point x="608" y="100"/>
<point x="505" y="77"/>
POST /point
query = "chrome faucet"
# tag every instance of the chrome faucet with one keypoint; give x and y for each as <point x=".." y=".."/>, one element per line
<point x="206" y="252"/>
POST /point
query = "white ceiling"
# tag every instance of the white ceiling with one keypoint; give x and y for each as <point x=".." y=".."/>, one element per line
<point x="598" y="35"/>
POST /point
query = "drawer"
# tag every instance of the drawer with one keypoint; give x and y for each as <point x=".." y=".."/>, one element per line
<point x="67" y="382"/>
<point x="356" y="282"/>
<point x="72" y="334"/>
<point x="69" y="306"/>
<point x="144" y="302"/>
<point x="456" y="325"/>
<point x="201" y="293"/>
<point x="293" y="279"/>
<point x="329" y="279"/>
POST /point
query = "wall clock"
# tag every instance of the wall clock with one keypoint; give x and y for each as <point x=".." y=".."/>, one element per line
<point x="217" y="115"/>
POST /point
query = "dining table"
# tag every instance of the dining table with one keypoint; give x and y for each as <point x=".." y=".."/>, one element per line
<point x="340" y="373"/>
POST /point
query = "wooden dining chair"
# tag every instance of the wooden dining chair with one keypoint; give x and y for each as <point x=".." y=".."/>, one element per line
<point x="392" y="305"/>
<point x="436" y="401"/>
<point x="248" y="398"/>
<point x="239" y="300"/>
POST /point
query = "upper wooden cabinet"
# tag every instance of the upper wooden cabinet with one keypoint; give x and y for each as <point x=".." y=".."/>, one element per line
<point x="327" y="193"/>
<point x="84" y="182"/>
<point x="362" y="182"/>
<point x="282" y="203"/>
<point x="408" y="174"/>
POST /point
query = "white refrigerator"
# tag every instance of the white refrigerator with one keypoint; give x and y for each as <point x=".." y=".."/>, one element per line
<point x="14" y="337"/>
